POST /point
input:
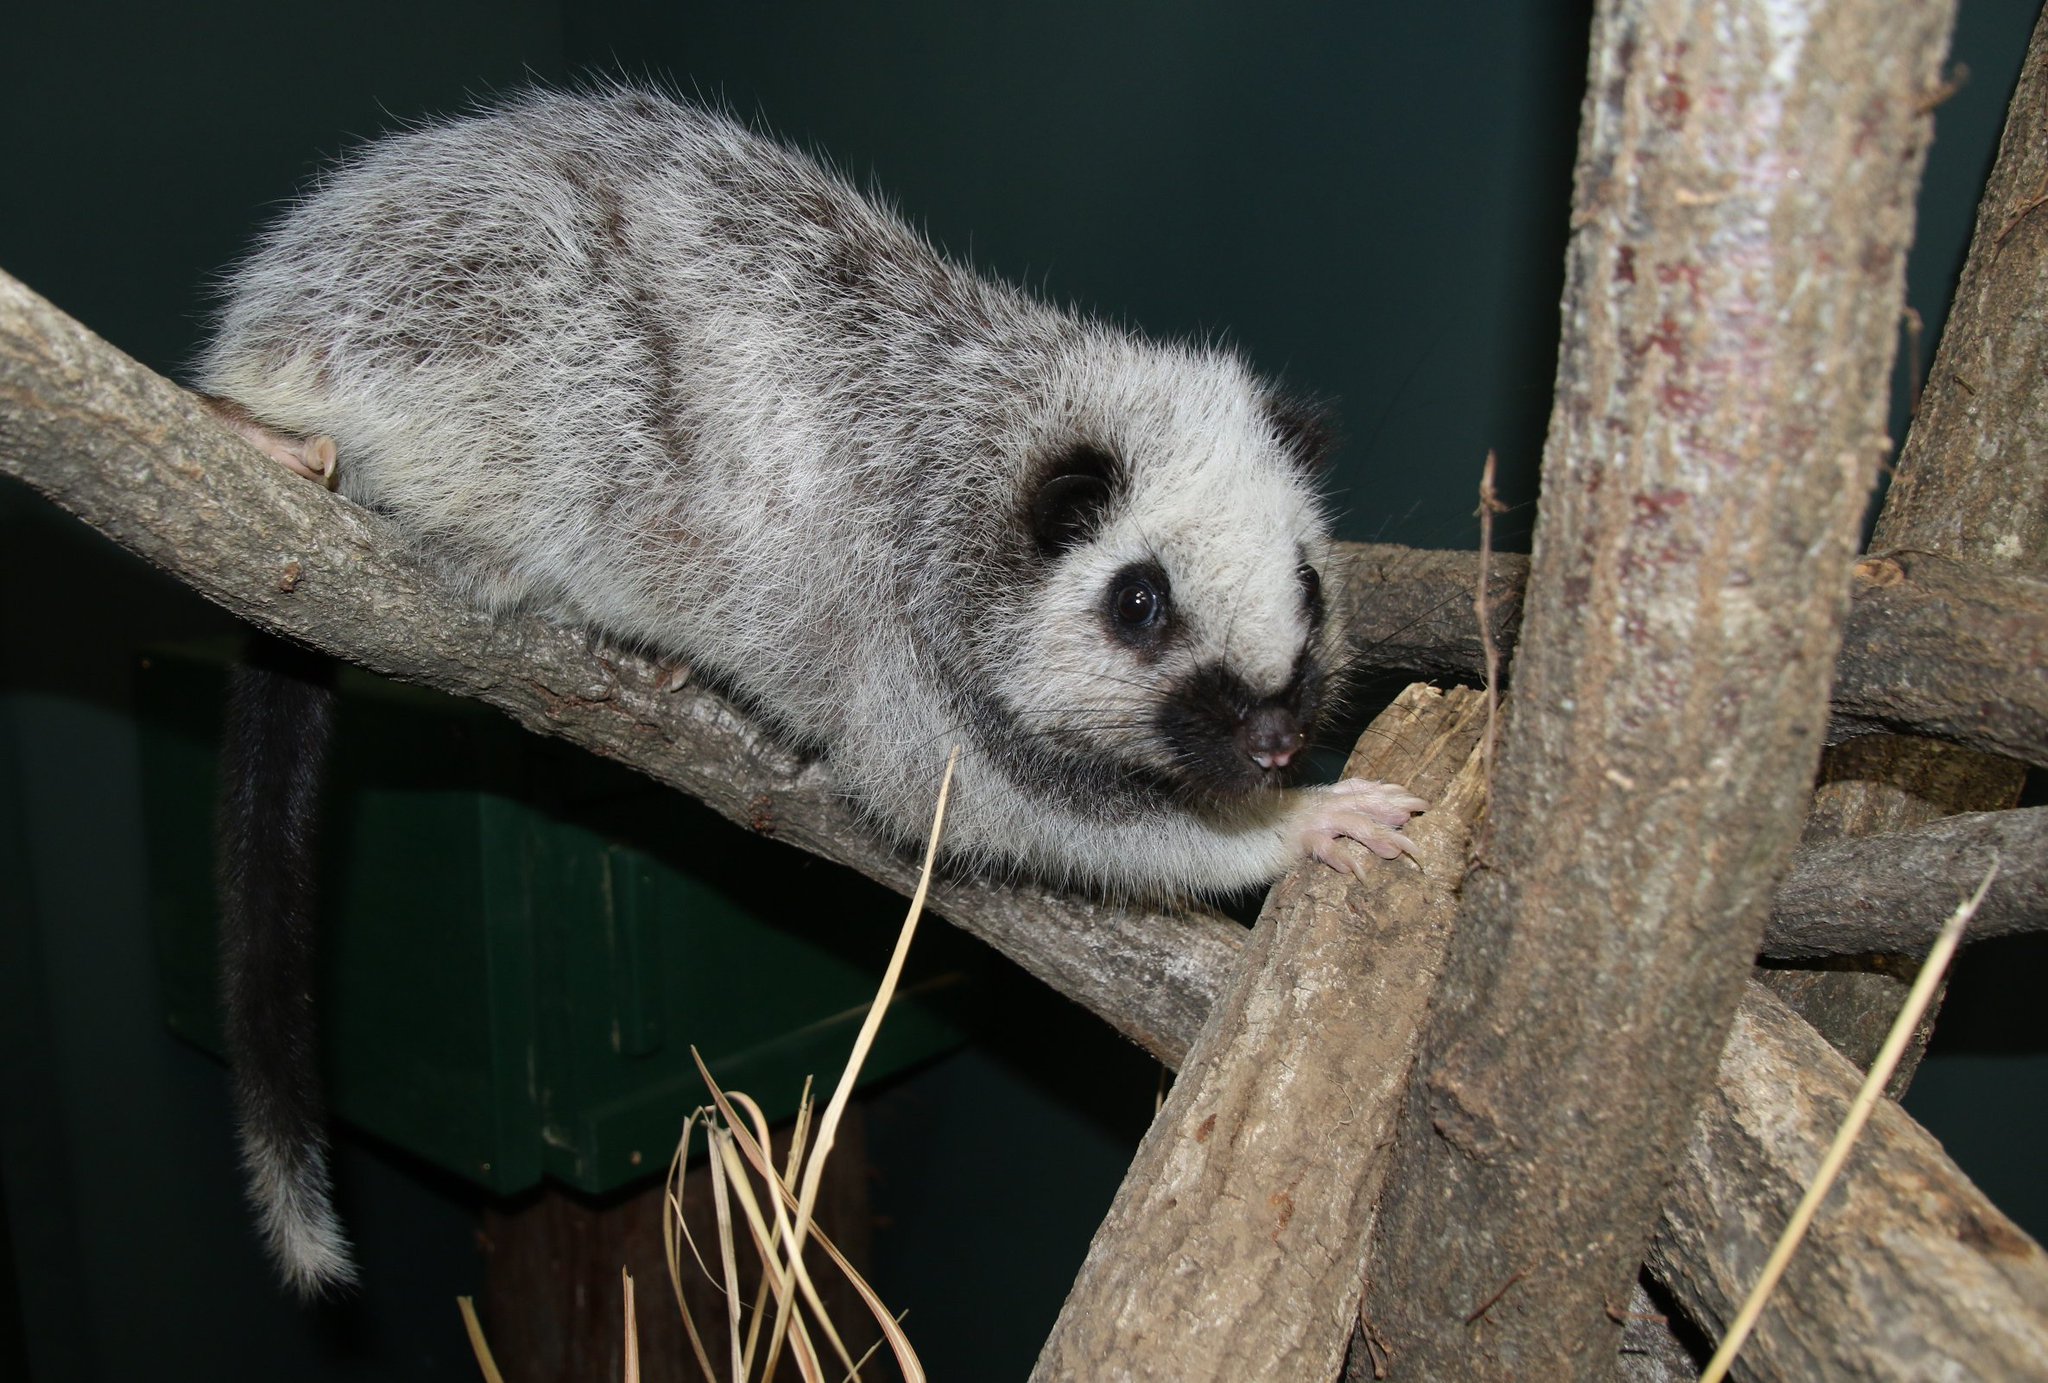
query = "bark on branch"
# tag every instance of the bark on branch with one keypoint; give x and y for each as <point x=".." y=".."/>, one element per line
<point x="1889" y="894"/>
<point x="1946" y="648"/>
<point x="1932" y="645"/>
<point x="1234" y="1248"/>
<point x="1909" y="1272"/>
<point x="1973" y="479"/>
<point x="1742" y="209"/>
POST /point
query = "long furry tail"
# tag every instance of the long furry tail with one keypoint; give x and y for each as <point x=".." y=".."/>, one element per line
<point x="279" y="720"/>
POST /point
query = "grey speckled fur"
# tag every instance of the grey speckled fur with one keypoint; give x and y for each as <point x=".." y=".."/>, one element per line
<point x="620" y="359"/>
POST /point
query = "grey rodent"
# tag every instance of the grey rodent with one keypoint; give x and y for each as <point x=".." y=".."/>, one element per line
<point x="619" y="359"/>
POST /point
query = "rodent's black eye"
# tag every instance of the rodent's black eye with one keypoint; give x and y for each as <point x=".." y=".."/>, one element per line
<point x="1137" y="604"/>
<point x="1311" y="592"/>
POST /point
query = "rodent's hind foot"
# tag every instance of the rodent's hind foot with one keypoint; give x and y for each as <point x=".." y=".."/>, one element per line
<point x="1358" y="809"/>
<point x="311" y="457"/>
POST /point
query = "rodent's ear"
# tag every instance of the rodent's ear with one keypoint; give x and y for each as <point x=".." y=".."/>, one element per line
<point x="1305" y="427"/>
<point x="1070" y="497"/>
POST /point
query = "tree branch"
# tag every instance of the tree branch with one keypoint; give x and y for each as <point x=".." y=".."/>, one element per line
<point x="1888" y="894"/>
<point x="1973" y="478"/>
<point x="1946" y="648"/>
<point x="1932" y="645"/>
<point x="1265" y="1185"/>
<point x="1742" y="209"/>
<point x="1910" y="1272"/>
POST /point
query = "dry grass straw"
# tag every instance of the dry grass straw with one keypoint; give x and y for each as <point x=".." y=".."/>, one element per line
<point x="1903" y="1027"/>
<point x="477" y="1344"/>
<point x="737" y="1140"/>
<point x="632" y="1365"/>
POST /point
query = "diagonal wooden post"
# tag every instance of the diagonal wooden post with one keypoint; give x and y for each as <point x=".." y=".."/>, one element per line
<point x="1233" y="1249"/>
<point x="1908" y="1274"/>
<point x="1743" y="204"/>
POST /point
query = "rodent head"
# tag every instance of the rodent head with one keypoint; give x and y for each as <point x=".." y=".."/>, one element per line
<point x="1173" y="626"/>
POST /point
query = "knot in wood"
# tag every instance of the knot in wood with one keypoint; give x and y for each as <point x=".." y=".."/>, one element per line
<point x="1879" y="572"/>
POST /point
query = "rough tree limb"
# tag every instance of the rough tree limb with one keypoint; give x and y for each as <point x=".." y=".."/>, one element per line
<point x="1234" y="1247"/>
<point x="1901" y="1223"/>
<point x="1742" y="208"/>
<point x="1972" y="485"/>
<point x="1409" y="610"/>
<point x="1945" y="648"/>
<point x="1932" y="645"/>
<point x="1890" y="893"/>
<point x="1973" y="480"/>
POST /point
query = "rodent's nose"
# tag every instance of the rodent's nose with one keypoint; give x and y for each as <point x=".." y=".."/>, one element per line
<point x="1269" y="735"/>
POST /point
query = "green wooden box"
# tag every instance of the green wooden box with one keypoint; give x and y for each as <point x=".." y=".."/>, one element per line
<point x="522" y="942"/>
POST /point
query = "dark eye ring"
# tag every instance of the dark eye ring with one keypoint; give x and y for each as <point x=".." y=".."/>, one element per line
<point x="1138" y="604"/>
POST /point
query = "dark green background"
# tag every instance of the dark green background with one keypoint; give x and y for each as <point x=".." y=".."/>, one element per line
<point x="1369" y="199"/>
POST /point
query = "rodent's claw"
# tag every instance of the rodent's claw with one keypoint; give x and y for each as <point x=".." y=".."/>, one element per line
<point x="1357" y="809"/>
<point x="1390" y="804"/>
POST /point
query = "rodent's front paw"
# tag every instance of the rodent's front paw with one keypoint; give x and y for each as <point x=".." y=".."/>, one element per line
<point x="1360" y="810"/>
